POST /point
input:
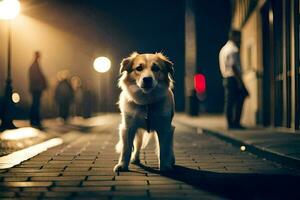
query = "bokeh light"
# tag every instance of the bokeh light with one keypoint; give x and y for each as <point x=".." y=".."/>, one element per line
<point x="9" y="9"/>
<point x="15" y="97"/>
<point x="243" y="148"/>
<point x="102" y="64"/>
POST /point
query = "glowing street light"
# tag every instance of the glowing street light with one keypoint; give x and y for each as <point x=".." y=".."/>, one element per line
<point x="102" y="64"/>
<point x="15" y="97"/>
<point x="9" y="9"/>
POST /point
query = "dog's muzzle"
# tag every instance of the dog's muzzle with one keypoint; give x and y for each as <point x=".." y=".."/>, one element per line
<point x="147" y="83"/>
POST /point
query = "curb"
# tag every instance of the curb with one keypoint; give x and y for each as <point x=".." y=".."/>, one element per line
<point x="261" y="152"/>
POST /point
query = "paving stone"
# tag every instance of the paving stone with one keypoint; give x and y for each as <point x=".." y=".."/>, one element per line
<point x="30" y="194"/>
<point x="165" y="182"/>
<point x="35" y="189"/>
<point x="57" y="194"/>
<point x="100" y="178"/>
<point x="88" y="173"/>
<point x="132" y="174"/>
<point x="16" y="179"/>
<point x="77" y="189"/>
<point x="58" y="178"/>
<point x="98" y="183"/>
<point x="77" y="169"/>
<point x="23" y="170"/>
<point x="7" y="194"/>
<point x="67" y="183"/>
<point x="147" y="187"/>
<point x="20" y="174"/>
<point x="25" y="184"/>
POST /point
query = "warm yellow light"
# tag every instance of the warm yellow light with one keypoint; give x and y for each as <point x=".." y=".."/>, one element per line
<point x="243" y="148"/>
<point x="21" y="133"/>
<point x="102" y="64"/>
<point x="15" y="97"/>
<point x="9" y="9"/>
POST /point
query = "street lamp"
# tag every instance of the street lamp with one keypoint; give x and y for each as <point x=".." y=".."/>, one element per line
<point x="9" y="9"/>
<point x="102" y="65"/>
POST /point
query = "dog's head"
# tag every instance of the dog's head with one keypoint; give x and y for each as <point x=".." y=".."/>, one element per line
<point x="147" y="70"/>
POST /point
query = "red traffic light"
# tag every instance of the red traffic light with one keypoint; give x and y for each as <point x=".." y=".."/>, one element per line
<point x="199" y="83"/>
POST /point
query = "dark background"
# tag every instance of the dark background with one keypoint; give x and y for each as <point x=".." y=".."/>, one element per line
<point x="116" y="28"/>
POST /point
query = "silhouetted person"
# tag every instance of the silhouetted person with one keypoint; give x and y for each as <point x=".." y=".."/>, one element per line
<point x="235" y="91"/>
<point x="78" y="95"/>
<point x="37" y="84"/>
<point x="64" y="95"/>
<point x="87" y="100"/>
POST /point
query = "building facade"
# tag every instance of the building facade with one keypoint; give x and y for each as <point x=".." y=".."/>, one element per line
<point x="270" y="60"/>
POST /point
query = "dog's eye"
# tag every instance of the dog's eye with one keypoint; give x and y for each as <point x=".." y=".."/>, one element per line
<point x="139" y="68"/>
<point x="155" y="68"/>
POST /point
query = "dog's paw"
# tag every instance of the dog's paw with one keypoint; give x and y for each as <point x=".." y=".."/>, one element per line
<point x="120" y="168"/>
<point x="135" y="161"/>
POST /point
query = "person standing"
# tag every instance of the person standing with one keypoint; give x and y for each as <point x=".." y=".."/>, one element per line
<point x="235" y="91"/>
<point x="64" y="95"/>
<point x="37" y="84"/>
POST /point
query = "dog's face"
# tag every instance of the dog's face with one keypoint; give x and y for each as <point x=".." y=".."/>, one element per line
<point x="147" y="70"/>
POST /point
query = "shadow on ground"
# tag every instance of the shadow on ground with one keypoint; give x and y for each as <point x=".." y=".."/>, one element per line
<point x="237" y="185"/>
<point x="65" y="128"/>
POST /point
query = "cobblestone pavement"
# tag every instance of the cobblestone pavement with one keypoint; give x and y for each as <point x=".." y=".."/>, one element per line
<point x="207" y="168"/>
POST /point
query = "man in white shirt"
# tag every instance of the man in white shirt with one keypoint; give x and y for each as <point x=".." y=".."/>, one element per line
<point x="235" y="91"/>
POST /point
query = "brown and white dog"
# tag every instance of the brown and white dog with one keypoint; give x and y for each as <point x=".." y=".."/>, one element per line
<point x="147" y="105"/>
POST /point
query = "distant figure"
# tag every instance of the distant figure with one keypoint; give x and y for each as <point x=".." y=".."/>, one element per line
<point x="87" y="100"/>
<point x="37" y="84"/>
<point x="235" y="91"/>
<point x="64" y="95"/>
<point x="78" y="95"/>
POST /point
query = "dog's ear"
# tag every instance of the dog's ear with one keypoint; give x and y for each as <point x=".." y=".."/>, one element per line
<point x="127" y="62"/>
<point x="167" y="62"/>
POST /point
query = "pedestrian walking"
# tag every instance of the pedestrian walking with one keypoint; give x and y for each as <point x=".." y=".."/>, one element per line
<point x="64" y="95"/>
<point x="235" y="91"/>
<point x="37" y="84"/>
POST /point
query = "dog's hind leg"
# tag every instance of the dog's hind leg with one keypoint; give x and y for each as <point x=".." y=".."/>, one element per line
<point x="127" y="136"/>
<point x="138" y="141"/>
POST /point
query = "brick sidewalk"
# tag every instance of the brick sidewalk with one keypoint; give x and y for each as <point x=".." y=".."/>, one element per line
<point x="207" y="168"/>
<point x="277" y="144"/>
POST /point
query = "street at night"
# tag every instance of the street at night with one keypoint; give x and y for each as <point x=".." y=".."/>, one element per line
<point x="206" y="168"/>
<point x="156" y="99"/>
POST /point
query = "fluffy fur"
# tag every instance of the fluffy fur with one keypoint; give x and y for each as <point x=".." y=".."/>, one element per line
<point x="146" y="83"/>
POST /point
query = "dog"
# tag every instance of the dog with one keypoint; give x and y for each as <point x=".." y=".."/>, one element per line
<point x="147" y="105"/>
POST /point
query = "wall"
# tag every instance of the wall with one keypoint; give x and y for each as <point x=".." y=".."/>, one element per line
<point x="251" y="59"/>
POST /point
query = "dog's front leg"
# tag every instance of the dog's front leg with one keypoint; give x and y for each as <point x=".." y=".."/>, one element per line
<point x="127" y="140"/>
<point x="166" y="153"/>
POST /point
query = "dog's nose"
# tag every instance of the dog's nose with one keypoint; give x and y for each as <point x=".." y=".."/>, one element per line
<point x="147" y="81"/>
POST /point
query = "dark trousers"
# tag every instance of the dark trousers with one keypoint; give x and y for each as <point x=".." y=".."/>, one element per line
<point x="63" y="109"/>
<point x="234" y="100"/>
<point x="35" y="109"/>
